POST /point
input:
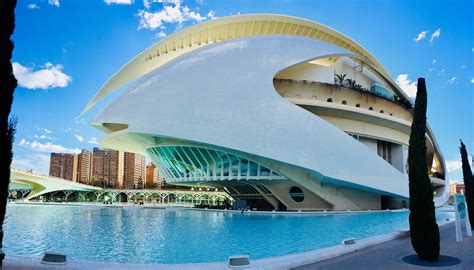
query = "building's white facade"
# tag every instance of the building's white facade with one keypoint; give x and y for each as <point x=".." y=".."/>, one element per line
<point x="250" y="104"/>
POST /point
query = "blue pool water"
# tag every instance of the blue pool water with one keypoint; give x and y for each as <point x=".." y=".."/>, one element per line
<point x="143" y="235"/>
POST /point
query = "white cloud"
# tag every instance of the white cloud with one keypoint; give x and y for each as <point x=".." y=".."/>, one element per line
<point x="472" y="79"/>
<point x="153" y="20"/>
<point x="454" y="165"/>
<point x="32" y="6"/>
<point x="43" y="137"/>
<point x="172" y="11"/>
<point x="146" y="4"/>
<point x="47" y="131"/>
<point x="452" y="80"/>
<point x="48" y="147"/>
<point x="93" y="140"/>
<point x="24" y="142"/>
<point x="211" y="15"/>
<point x="421" y="36"/>
<point x="79" y="137"/>
<point x="54" y="3"/>
<point x="39" y="163"/>
<point x="118" y="2"/>
<point x="161" y="34"/>
<point x="79" y="120"/>
<point x="176" y="2"/>
<point x="49" y="77"/>
<point x="434" y="61"/>
<point x="409" y="87"/>
<point x="463" y="66"/>
<point x="435" y="35"/>
<point x="192" y="15"/>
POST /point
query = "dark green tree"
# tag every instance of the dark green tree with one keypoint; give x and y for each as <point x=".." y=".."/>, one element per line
<point x="468" y="183"/>
<point x="8" y="85"/>
<point x="423" y="228"/>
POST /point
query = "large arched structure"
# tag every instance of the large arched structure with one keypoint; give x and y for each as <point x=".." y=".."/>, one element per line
<point x="31" y="186"/>
<point x="250" y="103"/>
<point x="39" y="184"/>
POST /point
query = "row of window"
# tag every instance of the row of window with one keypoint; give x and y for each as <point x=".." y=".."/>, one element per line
<point x="357" y="105"/>
<point x="344" y="102"/>
<point x="185" y="162"/>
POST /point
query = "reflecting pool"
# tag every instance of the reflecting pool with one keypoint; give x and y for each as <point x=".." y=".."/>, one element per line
<point x="145" y="235"/>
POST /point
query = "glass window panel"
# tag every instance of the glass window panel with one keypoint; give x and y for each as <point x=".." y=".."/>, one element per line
<point x="182" y="162"/>
<point x="190" y="156"/>
<point x="191" y="153"/>
<point x="161" y="155"/>
<point x="173" y="173"/>
<point x="244" y="167"/>
<point x="264" y="171"/>
<point x="206" y="162"/>
<point x="188" y="163"/>
<point x="235" y="166"/>
<point x="253" y="169"/>
<point x="168" y="171"/>
<point x="174" y="162"/>
<point x="212" y="162"/>
<point x="218" y="164"/>
<point x="170" y="165"/>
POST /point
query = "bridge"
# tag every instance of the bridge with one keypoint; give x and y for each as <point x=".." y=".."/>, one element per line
<point x="26" y="186"/>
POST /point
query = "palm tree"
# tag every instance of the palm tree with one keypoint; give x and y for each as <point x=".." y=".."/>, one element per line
<point x="350" y="83"/>
<point x="7" y="125"/>
<point x="340" y="79"/>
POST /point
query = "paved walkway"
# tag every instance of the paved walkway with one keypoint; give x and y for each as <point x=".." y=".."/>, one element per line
<point x="389" y="255"/>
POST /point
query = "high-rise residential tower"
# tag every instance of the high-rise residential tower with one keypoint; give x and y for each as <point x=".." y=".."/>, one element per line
<point x="107" y="167"/>
<point x="134" y="170"/>
<point x="154" y="179"/>
<point x="84" y="166"/>
<point x="63" y="166"/>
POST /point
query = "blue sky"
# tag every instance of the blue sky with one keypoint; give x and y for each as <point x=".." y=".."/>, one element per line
<point x="66" y="49"/>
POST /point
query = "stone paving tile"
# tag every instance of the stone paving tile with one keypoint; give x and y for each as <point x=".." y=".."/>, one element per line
<point x="389" y="255"/>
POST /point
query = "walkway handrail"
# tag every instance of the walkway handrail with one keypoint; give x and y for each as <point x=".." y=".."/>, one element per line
<point x="55" y="178"/>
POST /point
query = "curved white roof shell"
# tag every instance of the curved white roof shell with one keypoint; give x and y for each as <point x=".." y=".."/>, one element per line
<point x="223" y="95"/>
<point x="212" y="84"/>
<point x="227" y="28"/>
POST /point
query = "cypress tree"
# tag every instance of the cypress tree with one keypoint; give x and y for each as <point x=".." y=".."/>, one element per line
<point x="8" y="85"/>
<point x="423" y="228"/>
<point x="468" y="183"/>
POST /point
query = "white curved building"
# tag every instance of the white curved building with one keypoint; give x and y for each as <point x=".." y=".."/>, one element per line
<point x="253" y="104"/>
